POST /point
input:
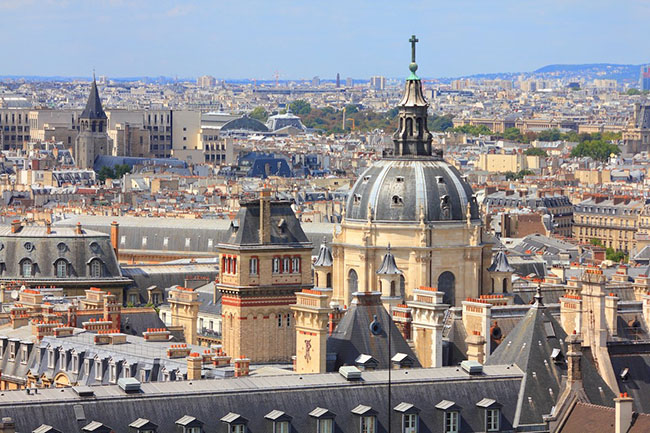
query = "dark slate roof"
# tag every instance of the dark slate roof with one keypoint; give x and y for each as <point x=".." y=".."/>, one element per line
<point x="529" y="346"/>
<point x="93" y="109"/>
<point x="244" y="123"/>
<point x="111" y="161"/>
<point x="500" y="263"/>
<point x="352" y="336"/>
<point x="388" y="265"/>
<point x="252" y="397"/>
<point x="324" y="256"/>
<point x="635" y="357"/>
<point x="396" y="190"/>
<point x="285" y="227"/>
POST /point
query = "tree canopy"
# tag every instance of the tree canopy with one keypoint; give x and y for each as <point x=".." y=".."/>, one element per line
<point x="599" y="150"/>
<point x="535" y="151"/>
<point x="115" y="172"/>
<point x="259" y="113"/>
<point x="300" y="107"/>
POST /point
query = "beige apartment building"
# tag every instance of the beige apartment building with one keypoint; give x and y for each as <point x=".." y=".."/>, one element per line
<point x="613" y="221"/>
<point x="14" y="124"/>
<point x="505" y="162"/>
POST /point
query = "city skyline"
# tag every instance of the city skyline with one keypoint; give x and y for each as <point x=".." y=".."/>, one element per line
<point x="362" y="39"/>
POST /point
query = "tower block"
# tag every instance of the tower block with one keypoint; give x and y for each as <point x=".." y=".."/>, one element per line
<point x="311" y="312"/>
<point x="264" y="262"/>
<point x="184" y="303"/>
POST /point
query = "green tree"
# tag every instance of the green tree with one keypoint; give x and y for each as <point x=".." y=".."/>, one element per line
<point x="595" y="149"/>
<point x="535" y="151"/>
<point x="550" y="135"/>
<point x="440" y="123"/>
<point x="121" y="169"/>
<point x="473" y="129"/>
<point x="596" y="242"/>
<point x="300" y="107"/>
<point x="105" y="173"/>
<point x="632" y="92"/>
<point x="615" y="256"/>
<point x="259" y="113"/>
<point x="513" y="134"/>
<point x="351" y="109"/>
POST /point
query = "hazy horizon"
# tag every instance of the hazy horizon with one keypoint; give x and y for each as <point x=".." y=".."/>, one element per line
<point x="252" y="39"/>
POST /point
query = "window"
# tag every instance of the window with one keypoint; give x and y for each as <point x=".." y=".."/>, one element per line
<point x="286" y="264"/>
<point x="492" y="419"/>
<point x="188" y="242"/>
<point x="61" y="268"/>
<point x="23" y="355"/>
<point x="281" y="427"/>
<point x="98" y="369"/>
<point x="451" y="421"/>
<point x="96" y="268"/>
<point x="279" y="320"/>
<point x="325" y="425"/>
<point x="410" y="423"/>
<point x="12" y="351"/>
<point x="112" y="373"/>
<point x="367" y="424"/>
<point x="87" y="368"/>
<point x="254" y="262"/>
<point x="27" y="268"/>
<point x="295" y="265"/>
<point x="165" y="242"/>
<point x="238" y="428"/>
<point x="50" y="358"/>
<point x="144" y="241"/>
<point x="288" y="320"/>
<point x="193" y="430"/>
<point x="75" y="363"/>
<point x="276" y="265"/>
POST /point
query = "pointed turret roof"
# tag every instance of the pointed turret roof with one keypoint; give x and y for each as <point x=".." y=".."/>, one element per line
<point x="388" y="266"/>
<point x="500" y="263"/>
<point x="324" y="256"/>
<point x="537" y="345"/>
<point x="93" y="109"/>
<point x="352" y="336"/>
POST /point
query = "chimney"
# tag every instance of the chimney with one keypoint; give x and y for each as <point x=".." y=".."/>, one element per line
<point x="571" y="313"/>
<point x="574" y="372"/>
<point x="476" y="347"/>
<point x="623" y="412"/>
<point x="194" y="366"/>
<point x="7" y="425"/>
<point x="242" y="366"/>
<point x="48" y="227"/>
<point x="16" y="226"/>
<point x="265" y="216"/>
<point x="78" y="229"/>
<point x="611" y="313"/>
<point x="115" y="236"/>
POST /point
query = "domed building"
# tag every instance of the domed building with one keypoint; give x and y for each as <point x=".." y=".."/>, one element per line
<point x="422" y="207"/>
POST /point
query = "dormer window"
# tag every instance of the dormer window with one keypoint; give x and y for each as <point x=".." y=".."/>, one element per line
<point x="75" y="363"/>
<point x="87" y="368"/>
<point x="281" y="421"/>
<point x="98" y="369"/>
<point x="492" y="414"/>
<point x="50" y="358"/>
<point x="24" y="354"/>
<point x="367" y="418"/>
<point x="27" y="268"/>
<point x="356" y="199"/>
<point x="399" y="179"/>
<point x="366" y="178"/>
<point x="12" y="351"/>
<point x="324" y="420"/>
<point x="112" y="373"/>
<point x="451" y="416"/>
<point x="410" y="417"/>
<point x="397" y="200"/>
<point x="61" y="267"/>
<point x="236" y="423"/>
<point x="95" y="268"/>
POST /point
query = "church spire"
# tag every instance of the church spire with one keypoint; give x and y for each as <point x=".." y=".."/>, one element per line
<point x="93" y="109"/>
<point x="412" y="138"/>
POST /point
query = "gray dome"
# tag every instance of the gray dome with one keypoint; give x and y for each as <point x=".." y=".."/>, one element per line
<point x="396" y="190"/>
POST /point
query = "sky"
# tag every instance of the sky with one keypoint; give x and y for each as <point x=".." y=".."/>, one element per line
<point x="306" y="38"/>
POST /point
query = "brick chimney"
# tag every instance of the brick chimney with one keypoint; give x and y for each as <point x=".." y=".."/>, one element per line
<point x="194" y="366"/>
<point x="16" y="226"/>
<point x="78" y="229"/>
<point x="574" y="372"/>
<point x="476" y="347"/>
<point x="623" y="412"/>
<point x="265" y="216"/>
<point x="242" y="366"/>
<point x="115" y="236"/>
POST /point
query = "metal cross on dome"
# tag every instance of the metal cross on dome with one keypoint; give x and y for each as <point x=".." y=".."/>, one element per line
<point x="413" y="41"/>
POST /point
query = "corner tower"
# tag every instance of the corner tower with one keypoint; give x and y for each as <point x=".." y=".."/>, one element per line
<point x="92" y="139"/>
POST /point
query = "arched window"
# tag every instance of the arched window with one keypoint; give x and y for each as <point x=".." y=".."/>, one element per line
<point x="353" y="281"/>
<point x="61" y="266"/>
<point x="295" y="265"/>
<point x="286" y="265"/>
<point x="329" y="279"/>
<point x="402" y="287"/>
<point x="392" y="288"/>
<point x="96" y="268"/>
<point x="419" y="126"/>
<point x="409" y="126"/>
<point x="26" y="268"/>
<point x="505" y="285"/>
<point x="447" y="284"/>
